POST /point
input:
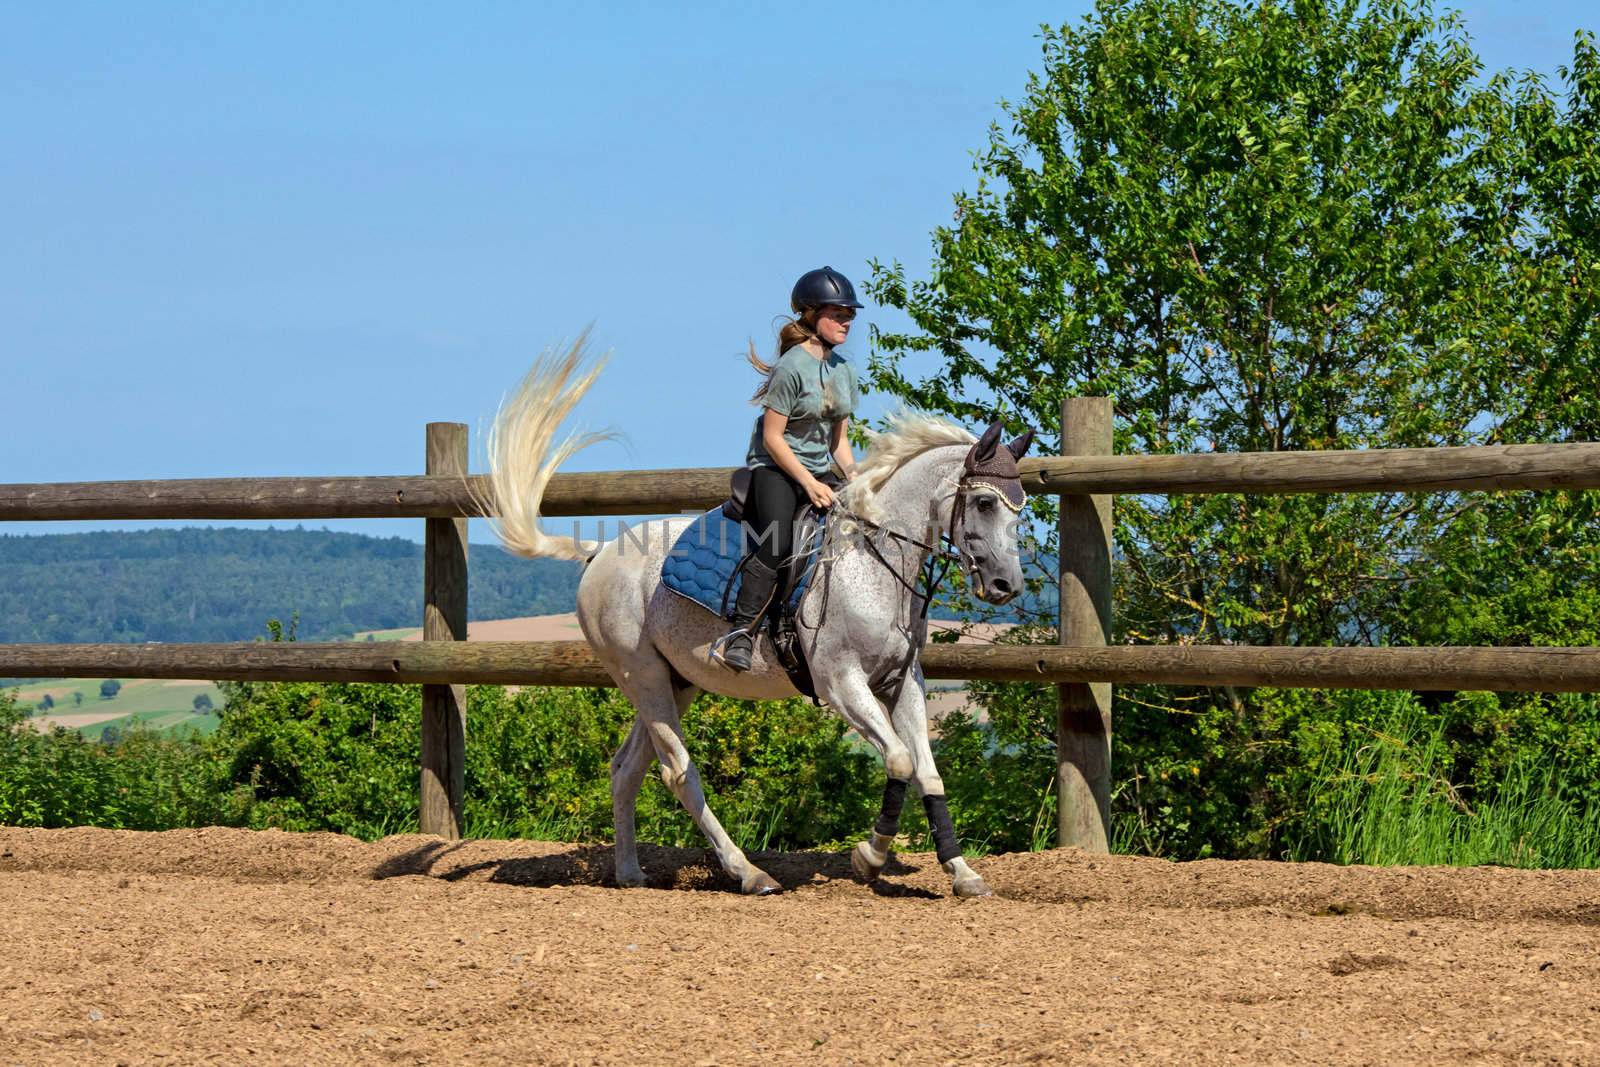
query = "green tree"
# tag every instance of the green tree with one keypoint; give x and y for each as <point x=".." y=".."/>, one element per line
<point x="77" y="698"/>
<point x="47" y="703"/>
<point x="202" y="704"/>
<point x="109" y="688"/>
<point x="1270" y="227"/>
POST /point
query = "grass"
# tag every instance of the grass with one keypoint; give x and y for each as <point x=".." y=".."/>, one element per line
<point x="1389" y="802"/>
<point x="553" y="826"/>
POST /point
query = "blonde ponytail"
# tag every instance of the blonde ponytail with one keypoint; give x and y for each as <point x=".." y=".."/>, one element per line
<point x="793" y="332"/>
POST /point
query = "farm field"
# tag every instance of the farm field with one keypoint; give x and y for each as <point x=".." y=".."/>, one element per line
<point x="403" y="633"/>
<point x="563" y="627"/>
<point x="162" y="705"/>
<point x="413" y="949"/>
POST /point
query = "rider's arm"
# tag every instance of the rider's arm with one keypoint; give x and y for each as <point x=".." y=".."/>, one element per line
<point x="842" y="454"/>
<point x="772" y="426"/>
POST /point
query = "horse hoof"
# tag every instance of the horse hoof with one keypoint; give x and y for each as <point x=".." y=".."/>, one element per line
<point x="761" y="884"/>
<point x="866" y="863"/>
<point x="971" y="887"/>
<point x="630" y="879"/>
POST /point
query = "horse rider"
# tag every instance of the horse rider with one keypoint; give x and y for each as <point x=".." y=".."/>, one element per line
<point x="800" y="446"/>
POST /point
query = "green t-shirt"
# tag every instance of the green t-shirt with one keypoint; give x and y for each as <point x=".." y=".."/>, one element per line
<point x="815" y="394"/>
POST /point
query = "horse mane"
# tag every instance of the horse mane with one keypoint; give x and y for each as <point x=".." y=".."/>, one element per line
<point x="909" y="434"/>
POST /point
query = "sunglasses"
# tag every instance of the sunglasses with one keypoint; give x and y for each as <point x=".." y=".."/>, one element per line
<point x="841" y="314"/>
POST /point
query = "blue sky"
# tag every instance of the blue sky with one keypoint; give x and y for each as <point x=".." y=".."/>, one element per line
<point x="268" y="239"/>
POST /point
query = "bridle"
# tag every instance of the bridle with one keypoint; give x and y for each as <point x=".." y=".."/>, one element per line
<point x="936" y="564"/>
<point x="939" y="558"/>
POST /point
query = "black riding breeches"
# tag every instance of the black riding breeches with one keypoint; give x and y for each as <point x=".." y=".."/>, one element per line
<point x="770" y="508"/>
<point x="769" y="512"/>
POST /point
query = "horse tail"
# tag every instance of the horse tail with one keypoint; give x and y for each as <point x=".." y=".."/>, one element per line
<point x="521" y="459"/>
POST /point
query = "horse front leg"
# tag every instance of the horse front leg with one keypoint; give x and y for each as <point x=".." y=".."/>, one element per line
<point x="910" y="717"/>
<point x="869" y="857"/>
<point x="850" y="693"/>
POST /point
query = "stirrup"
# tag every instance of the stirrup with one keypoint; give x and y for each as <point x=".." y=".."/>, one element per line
<point x="718" y="650"/>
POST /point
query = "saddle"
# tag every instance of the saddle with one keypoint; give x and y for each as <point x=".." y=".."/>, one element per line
<point x="706" y="564"/>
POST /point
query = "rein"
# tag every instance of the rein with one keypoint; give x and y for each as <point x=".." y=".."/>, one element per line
<point x="932" y="571"/>
<point x="987" y="463"/>
<point x="931" y="574"/>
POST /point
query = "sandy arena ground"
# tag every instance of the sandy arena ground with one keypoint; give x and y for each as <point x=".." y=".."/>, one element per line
<point x="228" y="945"/>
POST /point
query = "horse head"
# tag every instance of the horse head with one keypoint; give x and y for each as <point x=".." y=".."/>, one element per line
<point x="984" y="516"/>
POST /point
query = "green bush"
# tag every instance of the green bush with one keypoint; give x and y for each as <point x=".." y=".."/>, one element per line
<point x="1246" y="775"/>
<point x="778" y="774"/>
<point x="1390" y="800"/>
<point x="339" y="757"/>
<point x="143" y="782"/>
<point x="343" y="758"/>
<point x="1368" y="777"/>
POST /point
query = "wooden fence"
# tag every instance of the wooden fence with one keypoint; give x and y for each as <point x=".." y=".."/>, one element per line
<point x="1082" y="666"/>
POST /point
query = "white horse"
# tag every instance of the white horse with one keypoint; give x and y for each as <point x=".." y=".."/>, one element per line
<point x="862" y="621"/>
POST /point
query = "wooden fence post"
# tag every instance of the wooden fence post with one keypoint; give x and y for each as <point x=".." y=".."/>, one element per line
<point x="444" y="618"/>
<point x="1083" y="710"/>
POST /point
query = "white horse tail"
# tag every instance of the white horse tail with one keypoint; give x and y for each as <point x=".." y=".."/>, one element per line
<point x="521" y="459"/>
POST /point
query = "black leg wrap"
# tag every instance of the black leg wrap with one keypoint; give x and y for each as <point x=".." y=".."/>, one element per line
<point x="944" y="831"/>
<point x="894" y="797"/>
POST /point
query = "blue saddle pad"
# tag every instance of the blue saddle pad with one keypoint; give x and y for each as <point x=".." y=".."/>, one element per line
<point x="703" y="559"/>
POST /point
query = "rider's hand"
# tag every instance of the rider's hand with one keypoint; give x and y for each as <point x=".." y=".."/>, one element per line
<point x="821" y="496"/>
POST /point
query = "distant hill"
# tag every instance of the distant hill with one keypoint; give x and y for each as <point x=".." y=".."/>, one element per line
<point x="224" y="584"/>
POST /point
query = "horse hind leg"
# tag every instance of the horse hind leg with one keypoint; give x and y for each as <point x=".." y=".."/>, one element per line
<point x="659" y="715"/>
<point x="628" y="768"/>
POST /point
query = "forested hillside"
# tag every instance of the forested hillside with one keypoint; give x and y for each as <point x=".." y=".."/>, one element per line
<point x="223" y="584"/>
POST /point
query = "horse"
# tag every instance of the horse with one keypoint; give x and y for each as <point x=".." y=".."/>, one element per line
<point x="862" y="620"/>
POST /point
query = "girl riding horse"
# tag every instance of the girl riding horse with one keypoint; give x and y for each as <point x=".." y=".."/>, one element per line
<point x="800" y="435"/>
<point x="923" y="482"/>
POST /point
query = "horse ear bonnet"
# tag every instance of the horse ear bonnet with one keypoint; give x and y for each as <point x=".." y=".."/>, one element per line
<point x="997" y="467"/>
<point x="986" y="443"/>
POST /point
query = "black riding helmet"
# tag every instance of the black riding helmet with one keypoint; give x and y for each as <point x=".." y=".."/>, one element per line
<point x="822" y="286"/>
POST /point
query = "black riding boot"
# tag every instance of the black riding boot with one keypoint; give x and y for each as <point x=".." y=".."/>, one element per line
<point x="755" y="589"/>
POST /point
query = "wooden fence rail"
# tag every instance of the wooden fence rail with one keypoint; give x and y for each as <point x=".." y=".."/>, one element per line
<point x="1545" y="670"/>
<point x="659" y="492"/>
